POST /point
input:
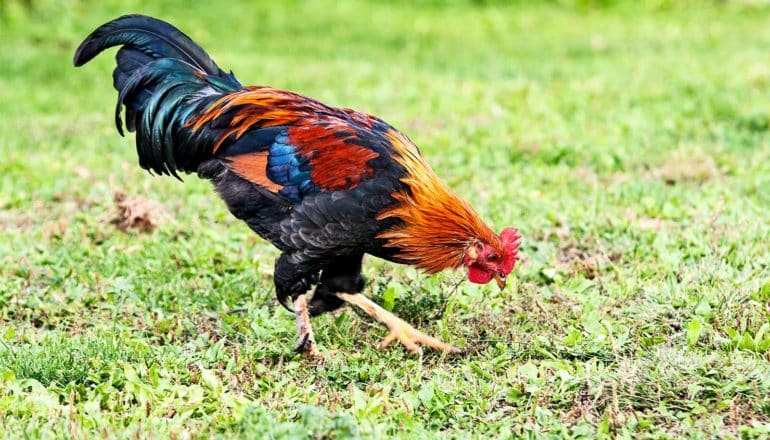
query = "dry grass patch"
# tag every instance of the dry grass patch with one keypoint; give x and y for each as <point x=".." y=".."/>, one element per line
<point x="137" y="214"/>
<point x="687" y="167"/>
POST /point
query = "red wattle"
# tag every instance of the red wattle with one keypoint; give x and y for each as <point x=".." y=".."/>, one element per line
<point x="478" y="275"/>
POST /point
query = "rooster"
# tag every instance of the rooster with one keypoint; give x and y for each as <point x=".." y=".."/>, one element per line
<point x="324" y="185"/>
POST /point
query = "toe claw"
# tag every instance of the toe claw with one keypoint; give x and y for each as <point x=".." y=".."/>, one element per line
<point x="413" y="340"/>
<point x="316" y="356"/>
<point x="309" y="349"/>
<point x="387" y="340"/>
<point x="304" y="345"/>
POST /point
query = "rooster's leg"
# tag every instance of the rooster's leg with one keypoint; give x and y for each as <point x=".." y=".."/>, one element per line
<point x="399" y="329"/>
<point x="306" y="343"/>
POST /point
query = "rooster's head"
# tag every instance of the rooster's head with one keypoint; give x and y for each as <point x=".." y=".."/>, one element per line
<point x="496" y="259"/>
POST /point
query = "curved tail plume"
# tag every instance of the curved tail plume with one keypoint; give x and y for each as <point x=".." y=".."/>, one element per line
<point x="152" y="37"/>
<point x="163" y="77"/>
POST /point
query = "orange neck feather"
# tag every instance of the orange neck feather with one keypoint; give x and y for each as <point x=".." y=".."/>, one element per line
<point x="438" y="226"/>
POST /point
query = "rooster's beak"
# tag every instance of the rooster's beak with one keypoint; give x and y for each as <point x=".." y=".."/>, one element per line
<point x="500" y="281"/>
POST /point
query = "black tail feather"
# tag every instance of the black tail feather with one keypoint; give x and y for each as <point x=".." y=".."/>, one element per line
<point x="153" y="37"/>
<point x="128" y="60"/>
<point x="163" y="78"/>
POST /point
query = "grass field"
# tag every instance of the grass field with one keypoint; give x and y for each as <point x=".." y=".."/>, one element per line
<point x="630" y="144"/>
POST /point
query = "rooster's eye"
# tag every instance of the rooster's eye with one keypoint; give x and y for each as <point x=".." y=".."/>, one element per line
<point x="493" y="258"/>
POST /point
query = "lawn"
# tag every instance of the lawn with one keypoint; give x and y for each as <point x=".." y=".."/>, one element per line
<point x="630" y="143"/>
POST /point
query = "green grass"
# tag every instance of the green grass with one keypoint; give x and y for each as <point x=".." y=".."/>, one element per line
<point x="630" y="144"/>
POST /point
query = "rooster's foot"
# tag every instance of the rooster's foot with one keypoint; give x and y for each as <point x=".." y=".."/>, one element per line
<point x="306" y="344"/>
<point x="400" y="330"/>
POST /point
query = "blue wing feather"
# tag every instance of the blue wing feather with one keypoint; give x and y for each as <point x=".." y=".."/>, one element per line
<point x="285" y="166"/>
